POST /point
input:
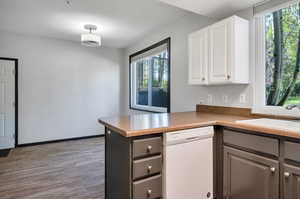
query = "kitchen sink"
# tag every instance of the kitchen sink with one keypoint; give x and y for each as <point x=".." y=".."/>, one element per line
<point x="297" y="121"/>
<point x="289" y="125"/>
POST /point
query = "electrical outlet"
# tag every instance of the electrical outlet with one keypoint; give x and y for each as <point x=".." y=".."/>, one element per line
<point x="243" y="98"/>
<point x="225" y="99"/>
<point x="202" y="100"/>
<point x="209" y="99"/>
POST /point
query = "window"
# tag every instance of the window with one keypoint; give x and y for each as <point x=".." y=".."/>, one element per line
<point x="277" y="89"/>
<point x="150" y="78"/>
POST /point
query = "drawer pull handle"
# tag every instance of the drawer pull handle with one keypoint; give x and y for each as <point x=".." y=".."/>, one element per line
<point x="286" y="174"/>
<point x="149" y="192"/>
<point x="272" y="169"/>
<point x="149" y="168"/>
<point x="149" y="148"/>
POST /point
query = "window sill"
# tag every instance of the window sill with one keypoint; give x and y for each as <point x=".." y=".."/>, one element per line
<point x="150" y="109"/>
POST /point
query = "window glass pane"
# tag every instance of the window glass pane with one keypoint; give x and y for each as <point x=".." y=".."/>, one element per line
<point x="142" y="81"/>
<point x="150" y="78"/>
<point x="282" y="32"/>
<point x="160" y="80"/>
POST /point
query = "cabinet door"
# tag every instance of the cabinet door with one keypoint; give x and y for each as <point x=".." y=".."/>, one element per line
<point x="198" y="57"/>
<point x="249" y="176"/>
<point x="291" y="182"/>
<point x="220" y="52"/>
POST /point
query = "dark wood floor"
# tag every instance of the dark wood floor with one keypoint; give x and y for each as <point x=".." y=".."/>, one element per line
<point x="73" y="169"/>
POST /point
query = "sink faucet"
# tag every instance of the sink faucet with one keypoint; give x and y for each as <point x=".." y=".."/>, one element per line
<point x="292" y="106"/>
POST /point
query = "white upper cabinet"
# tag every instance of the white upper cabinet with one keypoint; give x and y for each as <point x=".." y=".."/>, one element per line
<point x="198" y="57"/>
<point x="219" y="52"/>
<point x="226" y="56"/>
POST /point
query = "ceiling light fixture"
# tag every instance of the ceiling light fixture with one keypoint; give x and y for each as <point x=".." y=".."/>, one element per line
<point x="90" y="39"/>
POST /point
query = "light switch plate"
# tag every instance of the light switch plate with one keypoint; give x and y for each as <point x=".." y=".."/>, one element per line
<point x="202" y="100"/>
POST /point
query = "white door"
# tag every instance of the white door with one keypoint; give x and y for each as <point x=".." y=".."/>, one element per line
<point x="7" y="108"/>
<point x="198" y="57"/>
<point x="219" y="56"/>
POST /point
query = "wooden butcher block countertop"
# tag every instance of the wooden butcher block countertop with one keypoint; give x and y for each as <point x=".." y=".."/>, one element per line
<point x="146" y="124"/>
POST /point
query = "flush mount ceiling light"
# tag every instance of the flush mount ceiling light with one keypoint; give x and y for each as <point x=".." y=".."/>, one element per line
<point x="90" y="39"/>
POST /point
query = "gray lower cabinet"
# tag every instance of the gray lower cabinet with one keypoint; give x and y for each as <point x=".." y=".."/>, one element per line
<point x="133" y="166"/>
<point x="249" y="166"/>
<point x="291" y="182"/>
<point x="249" y="176"/>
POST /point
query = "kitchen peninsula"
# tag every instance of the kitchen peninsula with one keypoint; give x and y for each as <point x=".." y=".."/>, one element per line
<point x="240" y="149"/>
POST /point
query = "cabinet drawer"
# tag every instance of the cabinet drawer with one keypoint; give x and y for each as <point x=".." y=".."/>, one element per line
<point x="147" y="166"/>
<point x="291" y="150"/>
<point x="150" y="188"/>
<point x="145" y="147"/>
<point x="252" y="142"/>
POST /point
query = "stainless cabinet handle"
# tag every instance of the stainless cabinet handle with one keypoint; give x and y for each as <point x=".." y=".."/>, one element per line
<point x="149" y="148"/>
<point x="149" y="192"/>
<point x="286" y="174"/>
<point x="149" y="168"/>
<point x="272" y="169"/>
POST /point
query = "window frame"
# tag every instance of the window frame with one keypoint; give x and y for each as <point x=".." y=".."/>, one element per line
<point x="259" y="101"/>
<point x="132" y="95"/>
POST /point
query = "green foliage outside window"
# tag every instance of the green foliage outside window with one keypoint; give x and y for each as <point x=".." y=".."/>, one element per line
<point x="282" y="33"/>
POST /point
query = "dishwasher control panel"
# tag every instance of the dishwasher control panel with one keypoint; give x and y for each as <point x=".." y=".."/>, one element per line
<point x="188" y="135"/>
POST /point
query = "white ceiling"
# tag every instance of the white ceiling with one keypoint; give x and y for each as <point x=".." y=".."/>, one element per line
<point x="120" y="22"/>
<point x="213" y="8"/>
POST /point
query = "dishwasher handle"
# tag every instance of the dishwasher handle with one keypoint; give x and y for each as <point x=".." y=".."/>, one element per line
<point x="193" y="138"/>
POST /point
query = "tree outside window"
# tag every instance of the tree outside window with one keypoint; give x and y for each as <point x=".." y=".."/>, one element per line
<point x="282" y="48"/>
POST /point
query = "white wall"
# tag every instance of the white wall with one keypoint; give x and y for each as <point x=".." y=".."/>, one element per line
<point x="184" y="97"/>
<point x="63" y="86"/>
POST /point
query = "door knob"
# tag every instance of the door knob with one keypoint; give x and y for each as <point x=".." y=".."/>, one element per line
<point x="149" y="192"/>
<point x="228" y="77"/>
<point x="149" y="168"/>
<point x="272" y="169"/>
<point x="286" y="174"/>
<point x="149" y="148"/>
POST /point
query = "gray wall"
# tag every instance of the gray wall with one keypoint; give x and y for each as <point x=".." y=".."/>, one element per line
<point x="63" y="86"/>
<point x="184" y="97"/>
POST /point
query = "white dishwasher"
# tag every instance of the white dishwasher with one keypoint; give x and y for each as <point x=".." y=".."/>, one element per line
<point x="188" y="164"/>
